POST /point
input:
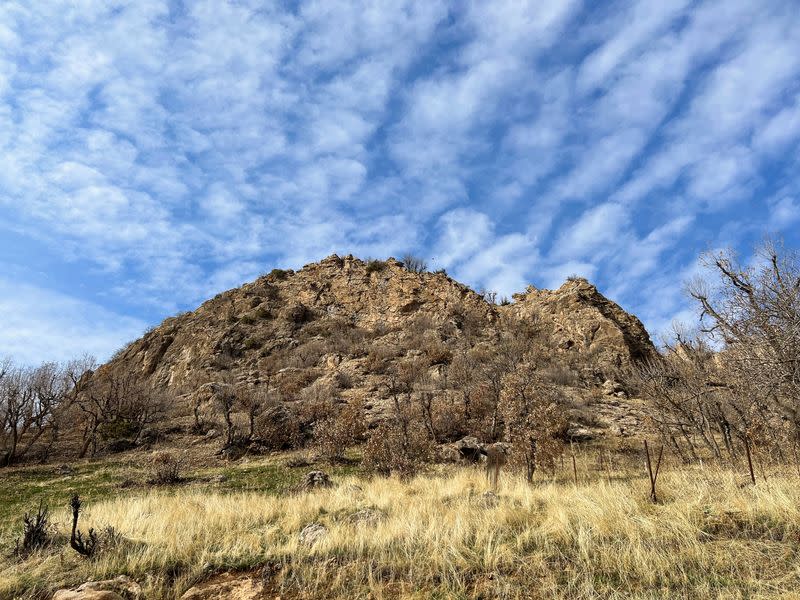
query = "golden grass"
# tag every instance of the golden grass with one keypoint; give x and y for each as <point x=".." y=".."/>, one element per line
<point x="441" y="537"/>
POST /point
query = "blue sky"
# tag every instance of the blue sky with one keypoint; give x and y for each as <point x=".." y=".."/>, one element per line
<point x="154" y="152"/>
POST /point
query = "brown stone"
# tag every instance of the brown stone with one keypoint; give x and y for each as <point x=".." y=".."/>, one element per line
<point x="121" y="588"/>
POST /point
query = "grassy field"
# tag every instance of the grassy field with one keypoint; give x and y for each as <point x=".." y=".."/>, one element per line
<point x="437" y="536"/>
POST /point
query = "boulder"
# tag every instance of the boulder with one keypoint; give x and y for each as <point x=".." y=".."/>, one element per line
<point x="366" y="517"/>
<point x="312" y="533"/>
<point x="470" y="449"/>
<point x="120" y="588"/>
<point x="227" y="587"/>
<point x="314" y="480"/>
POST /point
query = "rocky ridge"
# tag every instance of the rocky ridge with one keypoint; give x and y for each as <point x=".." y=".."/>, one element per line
<point x="347" y="321"/>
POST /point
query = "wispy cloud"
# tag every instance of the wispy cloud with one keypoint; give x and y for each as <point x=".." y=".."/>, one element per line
<point x="166" y="150"/>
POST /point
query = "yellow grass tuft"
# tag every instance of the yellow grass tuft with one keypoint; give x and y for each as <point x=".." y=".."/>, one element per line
<point x="444" y="537"/>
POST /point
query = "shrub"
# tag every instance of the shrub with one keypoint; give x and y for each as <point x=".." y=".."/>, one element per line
<point x="278" y="274"/>
<point x="375" y="266"/>
<point x="437" y="352"/>
<point x="341" y="428"/>
<point x="298" y="313"/>
<point x="165" y="467"/>
<point x="118" y="429"/>
<point x="414" y="264"/>
<point x="278" y="428"/>
<point x="252" y="343"/>
<point x="36" y="531"/>
<point x="396" y="448"/>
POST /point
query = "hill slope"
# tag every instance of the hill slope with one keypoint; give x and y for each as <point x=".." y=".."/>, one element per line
<point x="348" y="323"/>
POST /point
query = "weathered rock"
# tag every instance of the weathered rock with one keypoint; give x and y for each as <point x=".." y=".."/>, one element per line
<point x="367" y="516"/>
<point x="578" y="433"/>
<point x="227" y="587"/>
<point x="120" y="588"/>
<point x="614" y="388"/>
<point x="314" y="480"/>
<point x="469" y="448"/>
<point x="581" y="320"/>
<point x="312" y="533"/>
<point x="64" y="470"/>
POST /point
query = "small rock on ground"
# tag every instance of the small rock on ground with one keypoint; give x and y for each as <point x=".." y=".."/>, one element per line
<point x="315" y="480"/>
<point x="121" y="588"/>
<point x="313" y="533"/>
<point x="227" y="587"/>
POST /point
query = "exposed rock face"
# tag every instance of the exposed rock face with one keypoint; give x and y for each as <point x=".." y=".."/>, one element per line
<point x="580" y="319"/>
<point x="236" y="330"/>
<point x="343" y="322"/>
<point x="227" y="587"/>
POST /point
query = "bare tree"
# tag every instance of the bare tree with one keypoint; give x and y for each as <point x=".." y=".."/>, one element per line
<point x="31" y="404"/>
<point x="534" y="420"/>
<point x="115" y="405"/>
<point x="415" y="264"/>
<point x="753" y="312"/>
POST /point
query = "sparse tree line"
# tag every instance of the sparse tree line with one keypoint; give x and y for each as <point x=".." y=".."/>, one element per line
<point x="56" y="408"/>
<point x="729" y="391"/>
<point x="734" y="388"/>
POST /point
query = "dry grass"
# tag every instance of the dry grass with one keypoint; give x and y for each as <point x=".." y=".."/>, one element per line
<point x="442" y="537"/>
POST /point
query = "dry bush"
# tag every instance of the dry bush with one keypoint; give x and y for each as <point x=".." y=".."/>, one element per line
<point x="308" y="354"/>
<point x="401" y="444"/>
<point x="380" y="356"/>
<point x="399" y="449"/>
<point x="534" y="420"/>
<point x="340" y="429"/>
<point x="291" y="382"/>
<point x="278" y="428"/>
<point x="414" y="264"/>
<point x="375" y="266"/>
<point x="436" y="352"/>
<point x="165" y="467"/>
<point x="37" y="531"/>
<point x="561" y="374"/>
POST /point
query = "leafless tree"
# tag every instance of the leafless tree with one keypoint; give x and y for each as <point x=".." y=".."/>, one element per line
<point x="32" y="401"/>
<point x="111" y="404"/>
<point x="415" y="264"/>
<point x="533" y="417"/>
<point x="754" y="312"/>
<point x="746" y="391"/>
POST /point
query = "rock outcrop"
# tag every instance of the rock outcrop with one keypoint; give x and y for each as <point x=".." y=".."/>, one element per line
<point x="581" y="320"/>
<point x="345" y="323"/>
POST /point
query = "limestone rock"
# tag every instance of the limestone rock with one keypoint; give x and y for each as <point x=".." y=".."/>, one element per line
<point x="227" y="587"/>
<point x="314" y="480"/>
<point x="312" y="533"/>
<point x="120" y="588"/>
<point x="582" y="320"/>
<point x="469" y="448"/>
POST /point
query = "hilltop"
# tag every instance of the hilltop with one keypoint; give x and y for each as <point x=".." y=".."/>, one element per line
<point x="347" y="325"/>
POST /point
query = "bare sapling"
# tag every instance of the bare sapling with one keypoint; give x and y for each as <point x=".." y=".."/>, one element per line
<point x="653" y="474"/>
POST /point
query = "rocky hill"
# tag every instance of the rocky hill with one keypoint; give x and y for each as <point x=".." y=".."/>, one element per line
<point x="348" y="323"/>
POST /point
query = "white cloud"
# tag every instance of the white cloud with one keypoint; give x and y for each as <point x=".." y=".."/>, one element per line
<point x="40" y="325"/>
<point x="597" y="229"/>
